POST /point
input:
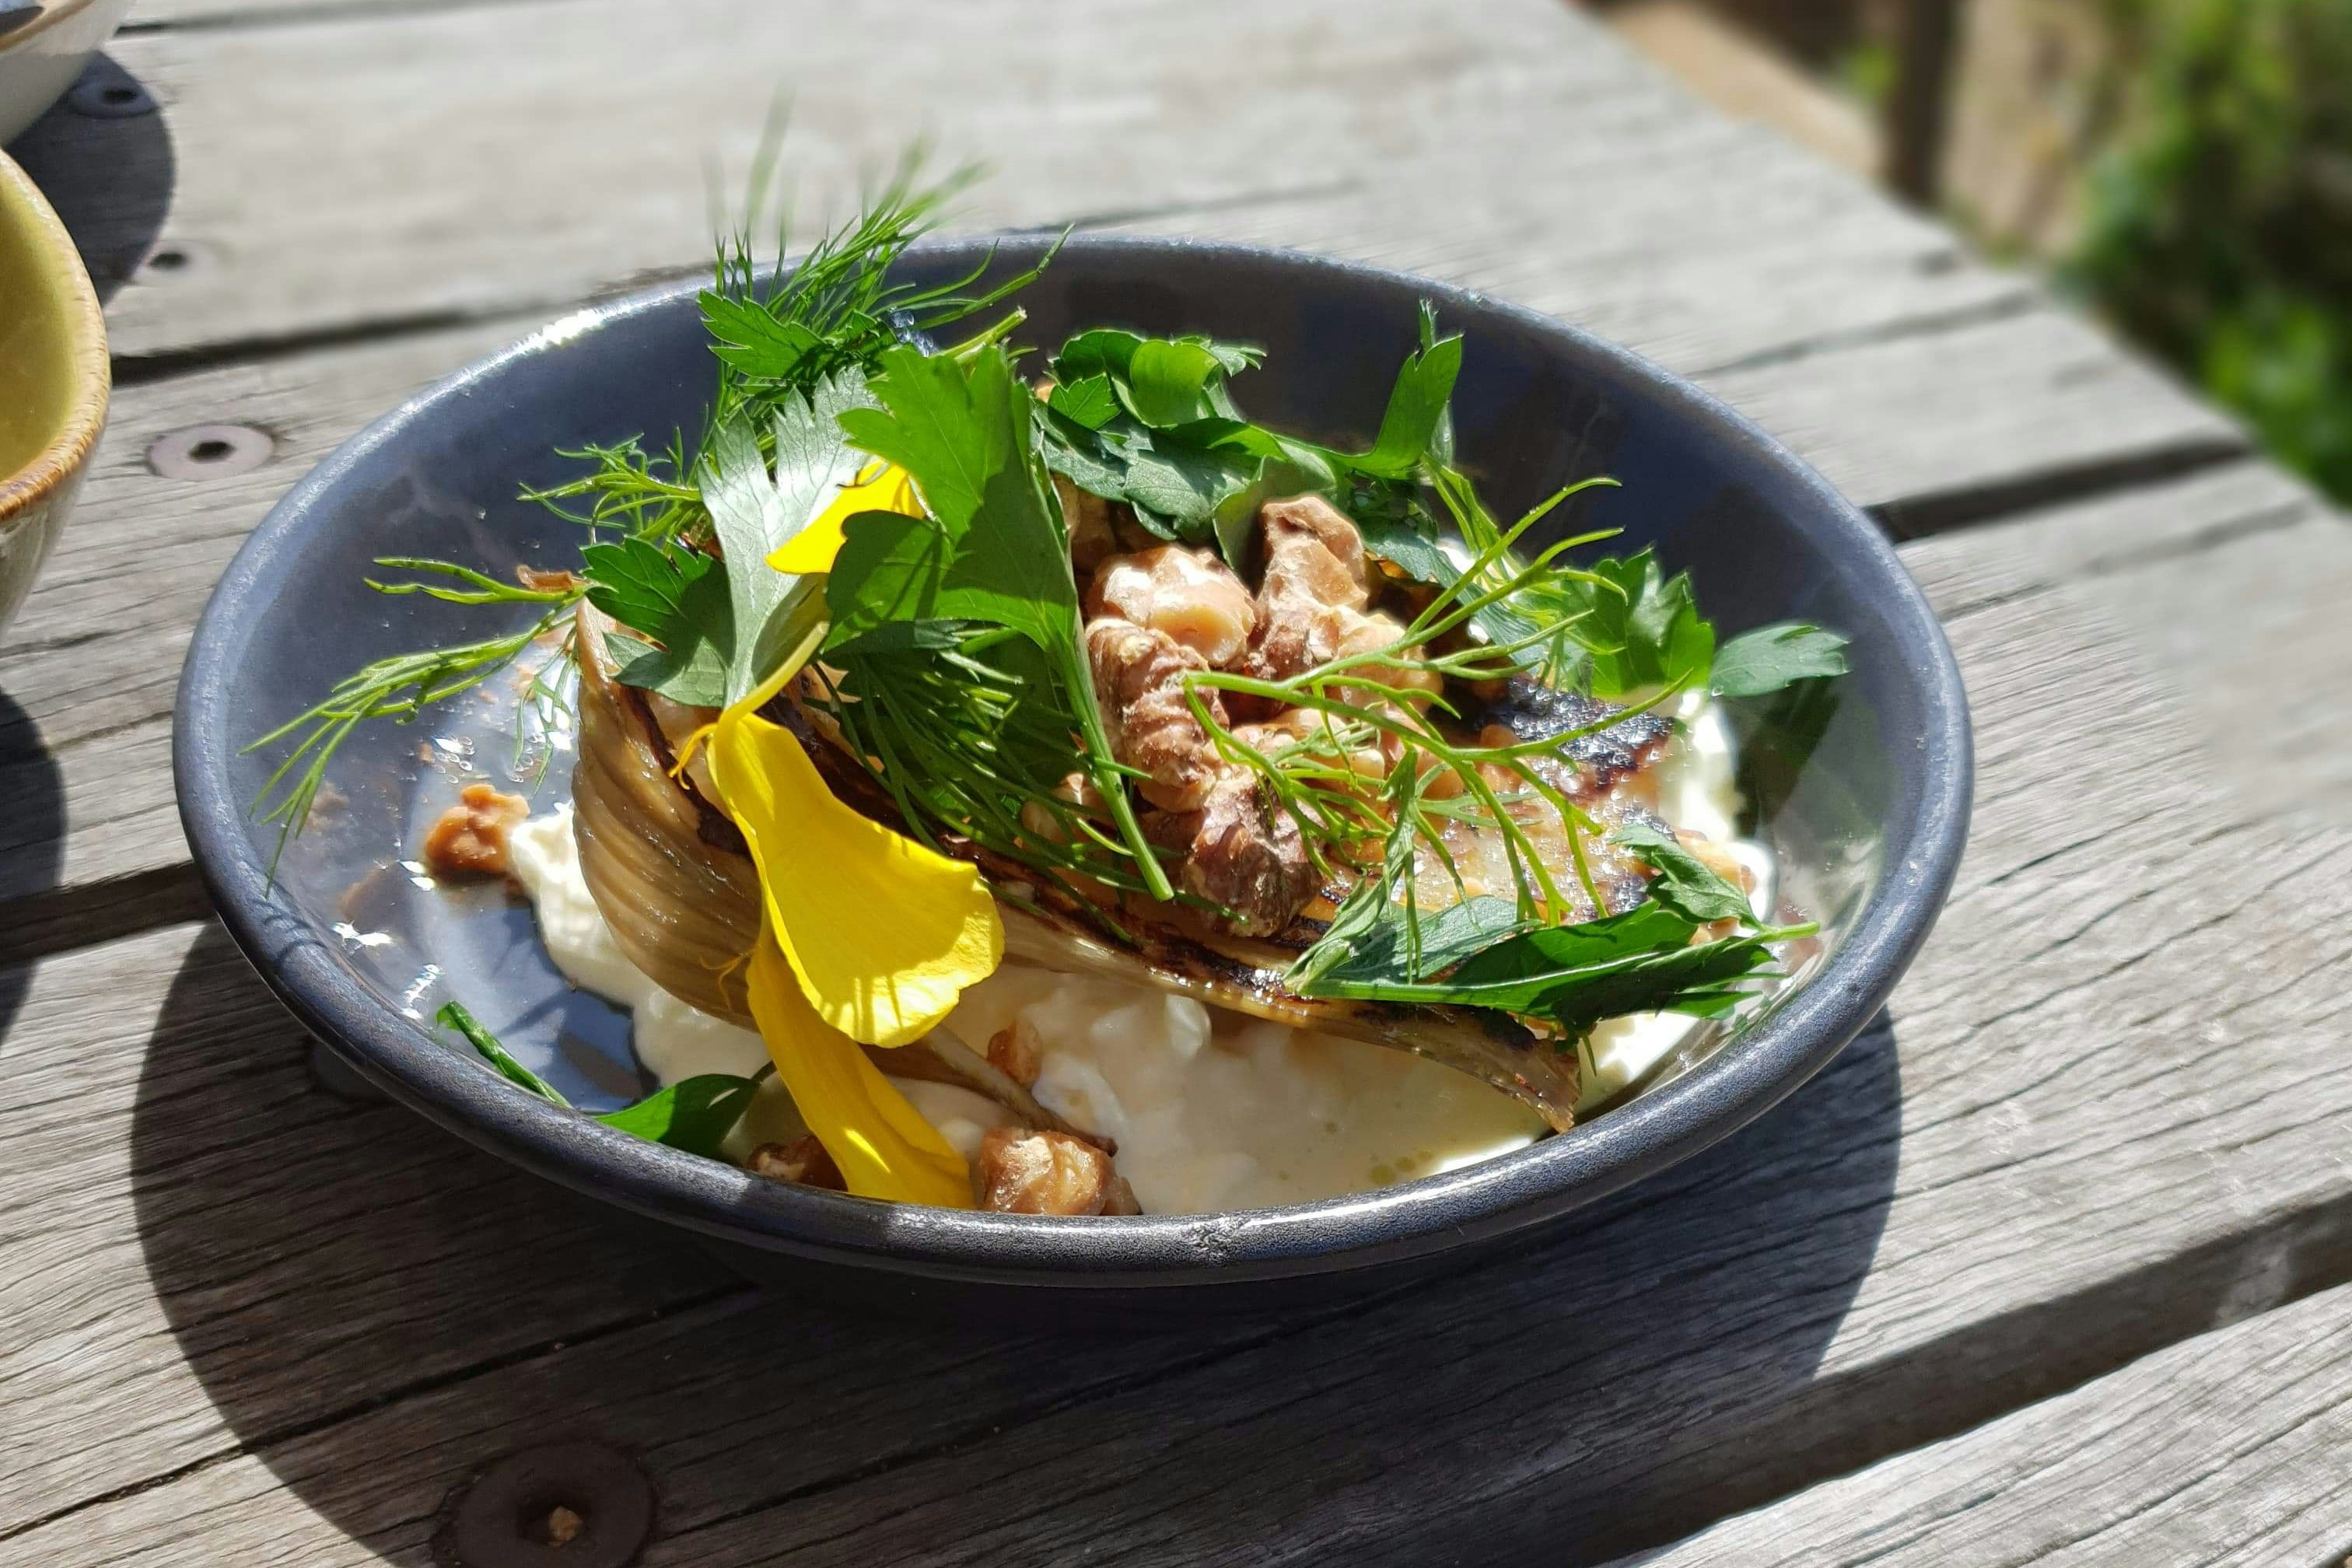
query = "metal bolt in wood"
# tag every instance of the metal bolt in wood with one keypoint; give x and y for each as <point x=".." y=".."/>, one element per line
<point x="209" y="451"/>
<point x="564" y="1505"/>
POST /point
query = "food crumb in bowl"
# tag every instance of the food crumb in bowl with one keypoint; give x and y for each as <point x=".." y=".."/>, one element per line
<point x="470" y="838"/>
<point x="1017" y="1051"/>
<point x="804" y="1160"/>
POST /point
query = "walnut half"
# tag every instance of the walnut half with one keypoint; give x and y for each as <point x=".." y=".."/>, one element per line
<point x="1022" y="1171"/>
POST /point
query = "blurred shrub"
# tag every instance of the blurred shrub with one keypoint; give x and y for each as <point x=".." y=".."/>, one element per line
<point x="2219" y="224"/>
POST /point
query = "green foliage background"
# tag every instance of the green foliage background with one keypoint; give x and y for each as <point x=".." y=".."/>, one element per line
<point x="2219" y="222"/>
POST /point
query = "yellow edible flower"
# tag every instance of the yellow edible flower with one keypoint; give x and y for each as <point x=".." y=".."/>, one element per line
<point x="883" y="932"/>
<point x="879" y="487"/>
<point x="865" y="935"/>
<point x="883" y="1145"/>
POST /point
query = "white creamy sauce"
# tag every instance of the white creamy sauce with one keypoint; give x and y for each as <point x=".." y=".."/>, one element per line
<point x="1211" y="1111"/>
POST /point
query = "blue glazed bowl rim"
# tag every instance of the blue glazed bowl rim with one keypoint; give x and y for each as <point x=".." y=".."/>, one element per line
<point x="1476" y="1202"/>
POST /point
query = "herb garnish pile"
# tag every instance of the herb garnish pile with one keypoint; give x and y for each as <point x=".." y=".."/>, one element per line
<point x="945" y="648"/>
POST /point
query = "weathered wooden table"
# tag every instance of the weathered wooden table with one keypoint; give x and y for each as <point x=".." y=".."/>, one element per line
<point x="2052" y="1265"/>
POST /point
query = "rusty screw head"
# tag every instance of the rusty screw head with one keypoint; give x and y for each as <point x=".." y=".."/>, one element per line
<point x="564" y="1505"/>
<point x="209" y="451"/>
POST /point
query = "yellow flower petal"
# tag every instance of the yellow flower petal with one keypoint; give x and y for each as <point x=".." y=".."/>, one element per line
<point x="883" y="932"/>
<point x="881" y="487"/>
<point x="883" y="1145"/>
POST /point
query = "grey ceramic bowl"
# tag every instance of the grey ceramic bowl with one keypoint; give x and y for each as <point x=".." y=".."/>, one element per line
<point x="1863" y="790"/>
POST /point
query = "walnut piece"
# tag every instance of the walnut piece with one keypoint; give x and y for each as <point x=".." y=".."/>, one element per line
<point x="1247" y="855"/>
<point x="804" y="1160"/>
<point x="470" y="838"/>
<point x="1313" y="589"/>
<point x="1189" y="593"/>
<point x="1018" y="1052"/>
<point x="1022" y="1171"/>
<point x="1139" y="677"/>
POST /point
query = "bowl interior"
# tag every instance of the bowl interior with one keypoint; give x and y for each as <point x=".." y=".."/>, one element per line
<point x="1840" y="783"/>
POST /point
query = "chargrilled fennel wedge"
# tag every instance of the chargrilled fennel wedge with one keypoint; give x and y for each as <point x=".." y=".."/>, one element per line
<point x="671" y="876"/>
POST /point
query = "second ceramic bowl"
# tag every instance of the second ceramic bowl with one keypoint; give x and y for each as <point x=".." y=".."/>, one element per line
<point x="53" y="381"/>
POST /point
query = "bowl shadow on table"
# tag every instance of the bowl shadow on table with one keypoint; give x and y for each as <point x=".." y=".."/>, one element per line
<point x="102" y="155"/>
<point x="367" y="1304"/>
<point x="32" y="841"/>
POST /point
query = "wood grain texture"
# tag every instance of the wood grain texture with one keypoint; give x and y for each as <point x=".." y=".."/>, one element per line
<point x="2232" y="583"/>
<point x="186" y="1208"/>
<point x="149" y="15"/>
<point x="215" y="1256"/>
<point x="559" y="148"/>
<point x="1516" y="142"/>
<point x="2226" y="1449"/>
<point x="2132" y="996"/>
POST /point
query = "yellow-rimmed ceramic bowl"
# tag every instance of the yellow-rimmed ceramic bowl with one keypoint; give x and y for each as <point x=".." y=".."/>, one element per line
<point x="53" y="380"/>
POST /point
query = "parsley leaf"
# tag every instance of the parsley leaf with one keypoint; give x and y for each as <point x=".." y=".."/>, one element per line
<point x="1090" y="402"/>
<point x="992" y="548"/>
<point x="1684" y="883"/>
<point x="965" y="438"/>
<point x="1576" y="975"/>
<point x="1647" y="633"/>
<point x="639" y="583"/>
<point x="1168" y="380"/>
<point x="695" y="1114"/>
<point x="753" y="512"/>
<point x="1397" y="944"/>
<point x="1773" y="657"/>
<point x="1417" y="410"/>
<point x="676" y="603"/>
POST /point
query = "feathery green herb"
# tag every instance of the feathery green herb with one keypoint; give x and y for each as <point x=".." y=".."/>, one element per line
<point x="781" y="334"/>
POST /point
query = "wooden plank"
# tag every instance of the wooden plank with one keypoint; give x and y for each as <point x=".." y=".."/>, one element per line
<point x="1934" y="436"/>
<point x="187" y="1210"/>
<point x="213" y="1255"/>
<point x="2226" y="1449"/>
<point x="2232" y="583"/>
<point x="1208" y="113"/>
<point x="154" y="14"/>
<point x="2134" y="995"/>
<point x="517" y="189"/>
<point x="1317" y="123"/>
